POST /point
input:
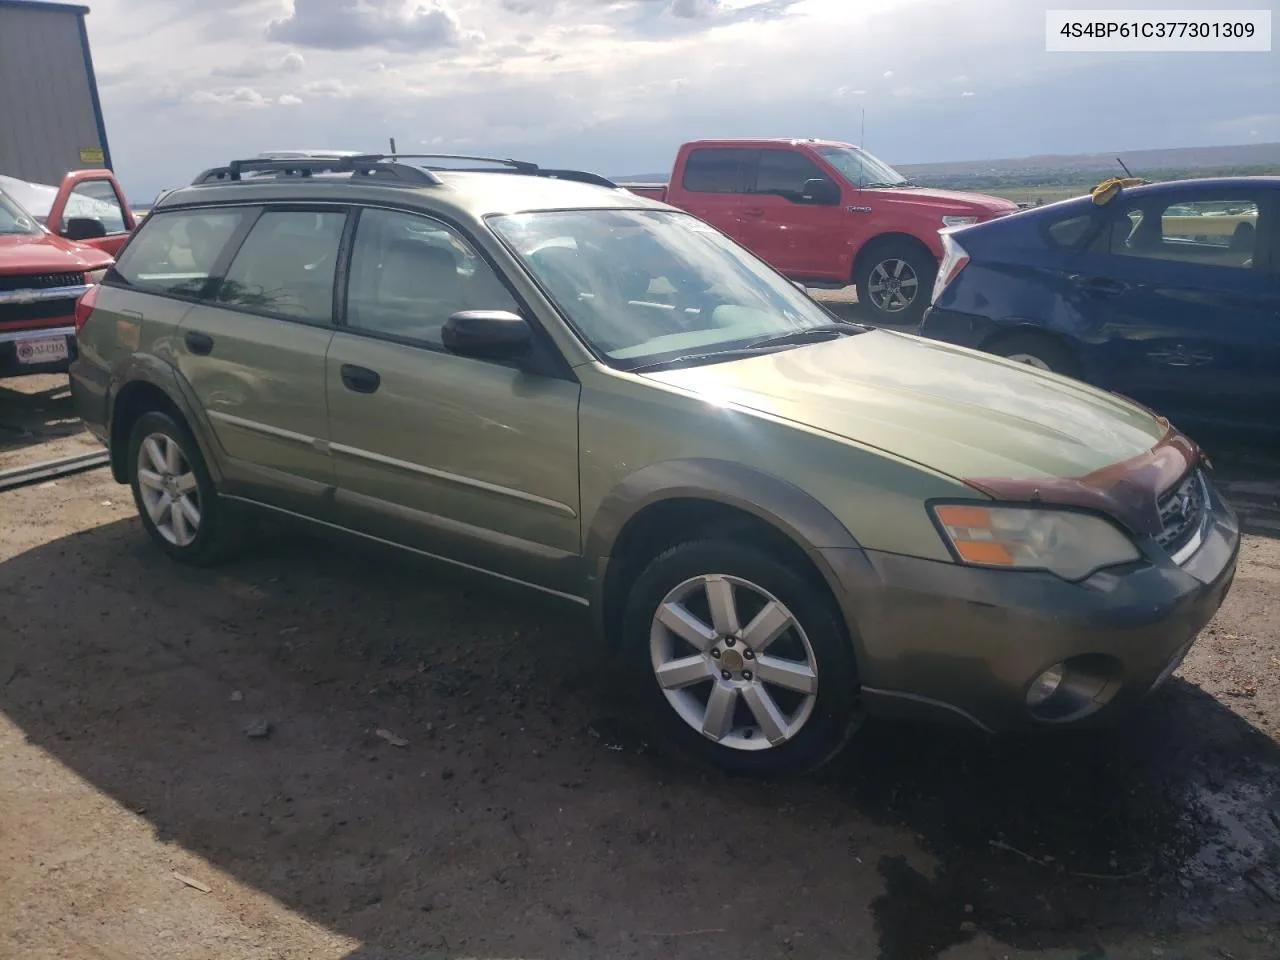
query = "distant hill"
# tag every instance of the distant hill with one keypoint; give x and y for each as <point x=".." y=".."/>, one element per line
<point x="1051" y="168"/>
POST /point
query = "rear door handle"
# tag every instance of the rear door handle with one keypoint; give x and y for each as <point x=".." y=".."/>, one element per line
<point x="1101" y="286"/>
<point x="360" y="379"/>
<point x="198" y="343"/>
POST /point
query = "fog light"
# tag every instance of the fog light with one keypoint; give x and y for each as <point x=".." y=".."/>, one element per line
<point x="1045" y="685"/>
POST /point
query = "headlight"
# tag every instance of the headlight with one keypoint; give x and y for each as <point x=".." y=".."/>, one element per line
<point x="1071" y="545"/>
<point x="95" y="276"/>
<point x="958" y="221"/>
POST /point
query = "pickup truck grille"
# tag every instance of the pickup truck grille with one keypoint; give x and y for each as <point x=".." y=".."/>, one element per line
<point x="39" y="281"/>
<point x="26" y="296"/>
<point x="1182" y="510"/>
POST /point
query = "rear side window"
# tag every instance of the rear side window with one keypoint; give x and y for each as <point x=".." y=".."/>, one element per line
<point x="1209" y="232"/>
<point x="785" y="172"/>
<point x="718" y="170"/>
<point x="175" y="253"/>
<point x="286" y="266"/>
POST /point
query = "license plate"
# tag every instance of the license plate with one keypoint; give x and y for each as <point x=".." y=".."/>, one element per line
<point x="43" y="350"/>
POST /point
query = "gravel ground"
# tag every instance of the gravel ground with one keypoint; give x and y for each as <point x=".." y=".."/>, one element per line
<point x="512" y="808"/>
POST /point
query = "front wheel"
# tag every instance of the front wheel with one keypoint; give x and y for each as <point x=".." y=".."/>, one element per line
<point x="740" y="660"/>
<point x="895" y="282"/>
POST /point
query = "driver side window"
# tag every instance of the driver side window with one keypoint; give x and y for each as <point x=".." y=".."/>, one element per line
<point x="409" y="274"/>
<point x="96" y="200"/>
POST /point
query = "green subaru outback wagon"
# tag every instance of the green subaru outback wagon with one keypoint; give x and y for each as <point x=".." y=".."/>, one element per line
<point x="781" y="521"/>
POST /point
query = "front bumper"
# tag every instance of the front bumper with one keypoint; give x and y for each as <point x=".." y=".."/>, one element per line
<point x="947" y="641"/>
<point x="20" y="350"/>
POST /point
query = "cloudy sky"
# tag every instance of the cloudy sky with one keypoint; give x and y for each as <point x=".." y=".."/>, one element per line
<point x="615" y="85"/>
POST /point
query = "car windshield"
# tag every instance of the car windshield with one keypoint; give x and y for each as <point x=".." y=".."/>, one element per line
<point x="14" y="219"/>
<point x="648" y="286"/>
<point x="860" y="168"/>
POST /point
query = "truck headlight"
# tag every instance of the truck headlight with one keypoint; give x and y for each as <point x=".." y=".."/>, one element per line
<point x="1070" y="544"/>
<point x="95" y="276"/>
<point x="958" y="221"/>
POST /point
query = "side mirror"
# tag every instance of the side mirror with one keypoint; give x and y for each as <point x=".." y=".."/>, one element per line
<point x="820" y="191"/>
<point x="487" y="334"/>
<point x="83" y="228"/>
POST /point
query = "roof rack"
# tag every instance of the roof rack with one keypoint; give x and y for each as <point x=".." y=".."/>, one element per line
<point x="386" y="167"/>
<point x="359" y="165"/>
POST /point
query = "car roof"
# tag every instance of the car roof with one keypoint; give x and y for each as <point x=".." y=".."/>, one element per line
<point x="467" y="194"/>
<point x="768" y="141"/>
<point x="1268" y="182"/>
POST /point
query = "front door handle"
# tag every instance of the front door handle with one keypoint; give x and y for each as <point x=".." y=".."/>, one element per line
<point x="1101" y="286"/>
<point x="198" y="343"/>
<point x="360" y="379"/>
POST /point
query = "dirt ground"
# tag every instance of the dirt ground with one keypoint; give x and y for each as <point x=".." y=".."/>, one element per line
<point x="517" y="811"/>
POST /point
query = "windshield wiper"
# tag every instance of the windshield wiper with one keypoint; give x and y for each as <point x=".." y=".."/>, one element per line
<point x="826" y="331"/>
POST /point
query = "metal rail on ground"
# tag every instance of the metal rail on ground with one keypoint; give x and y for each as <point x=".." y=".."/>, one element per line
<point x="49" y="469"/>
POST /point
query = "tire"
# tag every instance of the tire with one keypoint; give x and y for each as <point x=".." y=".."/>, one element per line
<point x="1037" y="350"/>
<point x="808" y="729"/>
<point x="205" y="531"/>
<point x="897" y="263"/>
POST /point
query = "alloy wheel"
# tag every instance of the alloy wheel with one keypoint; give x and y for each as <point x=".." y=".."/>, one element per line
<point x="893" y="285"/>
<point x="170" y="491"/>
<point x="733" y="662"/>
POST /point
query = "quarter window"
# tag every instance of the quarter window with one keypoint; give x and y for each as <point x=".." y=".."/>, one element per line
<point x="717" y="170"/>
<point x="1220" y="233"/>
<point x="409" y="274"/>
<point x="286" y="266"/>
<point x="175" y="253"/>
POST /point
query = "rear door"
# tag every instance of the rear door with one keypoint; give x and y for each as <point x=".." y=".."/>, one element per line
<point x="1179" y="290"/>
<point x="472" y="460"/>
<point x="92" y="195"/>
<point x="801" y="234"/>
<point x="255" y="351"/>
<point x="714" y="184"/>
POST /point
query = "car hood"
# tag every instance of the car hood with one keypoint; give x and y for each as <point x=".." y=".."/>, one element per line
<point x="959" y="412"/>
<point x="46" y="253"/>
<point x="949" y="201"/>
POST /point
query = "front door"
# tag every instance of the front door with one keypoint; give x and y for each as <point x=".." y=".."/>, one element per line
<point x="469" y="460"/>
<point x="1178" y="290"/>
<point x="93" y="195"/>
<point x="255" y="356"/>
<point x="799" y="234"/>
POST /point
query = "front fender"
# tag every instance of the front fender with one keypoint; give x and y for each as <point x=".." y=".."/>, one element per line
<point x="791" y="511"/>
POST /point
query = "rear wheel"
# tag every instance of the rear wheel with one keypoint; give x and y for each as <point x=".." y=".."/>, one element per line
<point x="174" y="493"/>
<point x="1036" y="350"/>
<point x="895" y="281"/>
<point x="740" y="660"/>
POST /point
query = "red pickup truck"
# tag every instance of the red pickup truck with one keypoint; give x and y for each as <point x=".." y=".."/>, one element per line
<point x="55" y="242"/>
<point x="825" y="214"/>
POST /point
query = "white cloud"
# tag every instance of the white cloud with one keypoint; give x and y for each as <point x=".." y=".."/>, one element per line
<point x="616" y="85"/>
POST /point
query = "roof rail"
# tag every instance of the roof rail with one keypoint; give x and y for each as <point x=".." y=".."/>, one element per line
<point x="383" y="166"/>
<point x="361" y="165"/>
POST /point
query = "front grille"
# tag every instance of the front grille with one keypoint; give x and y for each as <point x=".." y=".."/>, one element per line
<point x="40" y="310"/>
<point x="39" y="281"/>
<point x="1182" y="510"/>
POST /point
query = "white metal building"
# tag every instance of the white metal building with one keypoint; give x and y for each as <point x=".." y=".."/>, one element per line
<point x="50" y="115"/>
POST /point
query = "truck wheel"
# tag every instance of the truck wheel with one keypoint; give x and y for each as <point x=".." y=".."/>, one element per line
<point x="895" y="282"/>
<point x="739" y="660"/>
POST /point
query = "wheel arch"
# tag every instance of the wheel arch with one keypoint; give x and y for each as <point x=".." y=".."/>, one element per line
<point x="146" y="383"/>
<point x="1010" y="329"/>
<point x="675" y="501"/>
<point x="881" y="240"/>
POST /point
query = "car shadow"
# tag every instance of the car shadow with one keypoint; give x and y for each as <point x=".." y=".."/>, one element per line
<point x="34" y="416"/>
<point x="513" y="805"/>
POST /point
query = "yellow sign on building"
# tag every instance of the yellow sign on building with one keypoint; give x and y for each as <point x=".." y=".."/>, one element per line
<point x="92" y="155"/>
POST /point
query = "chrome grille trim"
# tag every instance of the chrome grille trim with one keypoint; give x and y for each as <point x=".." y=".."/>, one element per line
<point x="1183" y="509"/>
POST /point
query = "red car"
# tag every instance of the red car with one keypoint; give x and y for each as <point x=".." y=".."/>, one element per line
<point x="826" y="214"/>
<point x="54" y="243"/>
